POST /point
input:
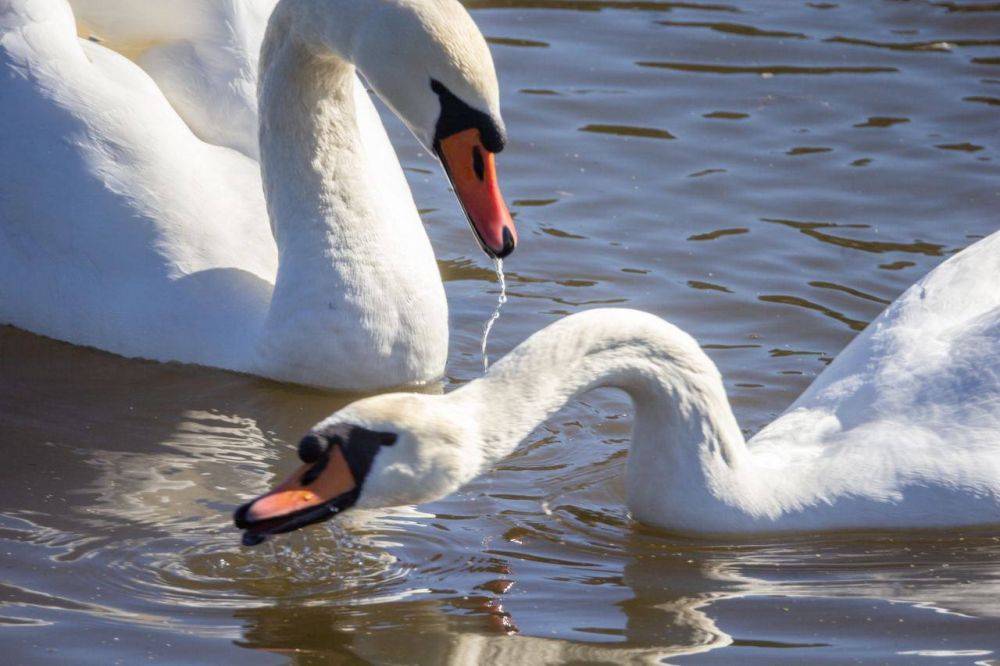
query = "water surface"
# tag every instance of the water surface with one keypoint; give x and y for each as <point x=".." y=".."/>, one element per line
<point x="767" y="175"/>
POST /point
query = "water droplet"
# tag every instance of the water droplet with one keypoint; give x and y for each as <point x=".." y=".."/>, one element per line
<point x="498" y="265"/>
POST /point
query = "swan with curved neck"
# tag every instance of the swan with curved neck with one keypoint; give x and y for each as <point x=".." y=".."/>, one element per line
<point x="901" y="431"/>
<point x="126" y="232"/>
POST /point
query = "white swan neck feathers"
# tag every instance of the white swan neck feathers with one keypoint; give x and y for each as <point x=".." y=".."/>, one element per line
<point x="906" y="435"/>
<point x="325" y="185"/>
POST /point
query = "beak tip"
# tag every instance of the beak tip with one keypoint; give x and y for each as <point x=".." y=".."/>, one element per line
<point x="240" y="516"/>
<point x="509" y="243"/>
<point x="240" y="521"/>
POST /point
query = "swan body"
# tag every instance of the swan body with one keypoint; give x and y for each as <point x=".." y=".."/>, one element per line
<point x="902" y="430"/>
<point x="135" y="219"/>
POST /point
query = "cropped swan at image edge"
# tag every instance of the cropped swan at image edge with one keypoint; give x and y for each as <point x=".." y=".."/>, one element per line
<point x="902" y="430"/>
<point x="133" y="222"/>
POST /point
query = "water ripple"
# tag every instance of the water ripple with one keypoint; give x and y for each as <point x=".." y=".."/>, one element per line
<point x="764" y="70"/>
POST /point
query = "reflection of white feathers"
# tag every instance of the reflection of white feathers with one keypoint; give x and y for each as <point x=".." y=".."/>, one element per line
<point x="456" y="649"/>
<point x="942" y="584"/>
<point x="381" y="524"/>
<point x="197" y="469"/>
<point x="674" y="607"/>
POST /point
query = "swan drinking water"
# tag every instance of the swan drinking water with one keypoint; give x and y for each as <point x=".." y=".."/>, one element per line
<point x="902" y="430"/>
<point x="123" y="227"/>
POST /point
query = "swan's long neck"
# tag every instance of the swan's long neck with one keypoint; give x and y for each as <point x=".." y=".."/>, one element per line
<point x="357" y="290"/>
<point x="686" y="442"/>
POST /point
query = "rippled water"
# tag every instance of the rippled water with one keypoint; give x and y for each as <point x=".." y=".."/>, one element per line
<point x="767" y="175"/>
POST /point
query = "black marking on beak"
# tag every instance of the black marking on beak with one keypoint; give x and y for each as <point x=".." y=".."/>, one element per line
<point x="457" y="116"/>
<point x="257" y="532"/>
<point x="313" y="472"/>
<point x="508" y="244"/>
<point x="477" y="163"/>
<point x="312" y="447"/>
<point x="359" y="449"/>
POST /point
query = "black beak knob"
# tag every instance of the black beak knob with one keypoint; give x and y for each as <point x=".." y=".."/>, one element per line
<point x="311" y="448"/>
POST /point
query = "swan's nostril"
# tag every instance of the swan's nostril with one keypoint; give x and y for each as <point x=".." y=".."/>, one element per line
<point x="477" y="163"/>
<point x="311" y="448"/>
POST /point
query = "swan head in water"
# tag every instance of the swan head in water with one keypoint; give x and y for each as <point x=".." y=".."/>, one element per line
<point x="388" y="450"/>
<point x="428" y="61"/>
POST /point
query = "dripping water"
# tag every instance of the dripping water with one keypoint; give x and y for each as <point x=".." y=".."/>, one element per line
<point x="498" y="266"/>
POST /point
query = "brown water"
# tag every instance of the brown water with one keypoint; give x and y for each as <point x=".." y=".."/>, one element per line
<point x="767" y="175"/>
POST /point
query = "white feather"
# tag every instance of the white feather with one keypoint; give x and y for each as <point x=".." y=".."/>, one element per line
<point x="132" y="208"/>
<point x="901" y="431"/>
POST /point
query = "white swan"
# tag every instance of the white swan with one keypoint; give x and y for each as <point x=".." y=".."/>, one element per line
<point x="124" y="228"/>
<point x="901" y="431"/>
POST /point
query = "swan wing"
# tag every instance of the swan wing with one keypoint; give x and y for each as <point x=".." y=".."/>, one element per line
<point x="107" y="199"/>
<point x="202" y="54"/>
<point x="914" y="399"/>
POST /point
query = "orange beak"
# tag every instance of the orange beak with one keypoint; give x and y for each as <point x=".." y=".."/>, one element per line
<point x="315" y="492"/>
<point x="472" y="171"/>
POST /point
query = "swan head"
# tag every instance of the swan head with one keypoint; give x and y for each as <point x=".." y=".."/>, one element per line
<point x="430" y="64"/>
<point x="383" y="451"/>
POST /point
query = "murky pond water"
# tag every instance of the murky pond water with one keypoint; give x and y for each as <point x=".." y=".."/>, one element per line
<point x="767" y="175"/>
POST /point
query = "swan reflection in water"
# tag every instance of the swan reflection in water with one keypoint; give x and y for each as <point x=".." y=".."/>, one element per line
<point x="118" y="510"/>
<point x="672" y="608"/>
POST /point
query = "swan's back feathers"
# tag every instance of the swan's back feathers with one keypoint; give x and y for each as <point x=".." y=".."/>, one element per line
<point x="201" y="53"/>
<point x="131" y="24"/>
<point x="915" y="397"/>
<point x="933" y="333"/>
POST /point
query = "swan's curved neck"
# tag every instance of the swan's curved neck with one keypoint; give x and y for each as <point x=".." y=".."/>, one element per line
<point x="312" y="154"/>
<point x="684" y="434"/>
<point x="357" y="281"/>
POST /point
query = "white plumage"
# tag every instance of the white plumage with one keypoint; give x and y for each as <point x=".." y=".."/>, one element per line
<point x="132" y="208"/>
<point x="902" y="430"/>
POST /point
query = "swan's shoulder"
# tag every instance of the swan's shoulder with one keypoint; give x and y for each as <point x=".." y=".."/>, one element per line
<point x="923" y="375"/>
<point x="134" y="22"/>
<point x="201" y="53"/>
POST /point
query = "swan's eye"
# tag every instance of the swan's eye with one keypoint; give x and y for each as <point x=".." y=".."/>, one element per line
<point x="311" y="448"/>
